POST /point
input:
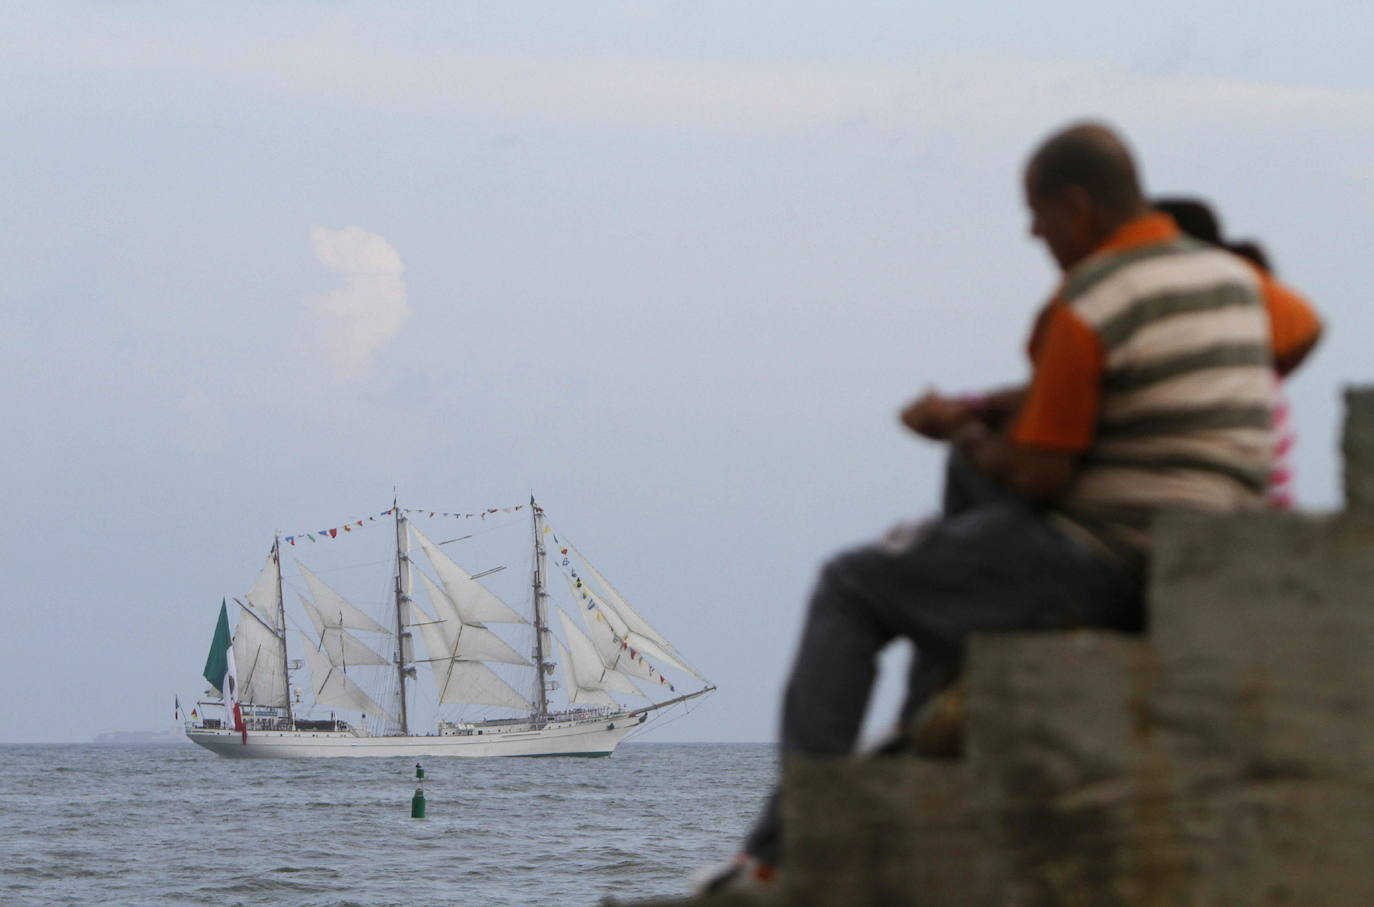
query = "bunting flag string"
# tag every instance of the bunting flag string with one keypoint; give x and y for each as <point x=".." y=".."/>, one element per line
<point x="592" y="606"/>
<point x="351" y="525"/>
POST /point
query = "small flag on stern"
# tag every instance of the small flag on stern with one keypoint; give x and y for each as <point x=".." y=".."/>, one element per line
<point x="221" y="672"/>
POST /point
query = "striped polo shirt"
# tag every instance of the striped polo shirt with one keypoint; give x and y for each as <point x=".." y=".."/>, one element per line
<point x="1154" y="363"/>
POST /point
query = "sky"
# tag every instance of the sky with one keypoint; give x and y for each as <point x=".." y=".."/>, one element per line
<point x="670" y="267"/>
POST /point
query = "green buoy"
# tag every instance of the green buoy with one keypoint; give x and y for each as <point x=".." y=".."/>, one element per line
<point x="417" y="802"/>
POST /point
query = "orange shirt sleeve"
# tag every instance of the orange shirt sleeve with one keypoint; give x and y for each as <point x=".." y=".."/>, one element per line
<point x="1061" y="406"/>
<point x="1042" y="319"/>
<point x="1293" y="325"/>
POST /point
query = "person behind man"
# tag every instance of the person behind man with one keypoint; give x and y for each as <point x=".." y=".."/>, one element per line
<point x="1295" y="328"/>
<point x="1150" y="391"/>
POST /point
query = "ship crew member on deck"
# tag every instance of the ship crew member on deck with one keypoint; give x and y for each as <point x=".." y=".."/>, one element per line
<point x="1150" y="390"/>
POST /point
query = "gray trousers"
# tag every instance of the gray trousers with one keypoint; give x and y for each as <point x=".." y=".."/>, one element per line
<point x="989" y="563"/>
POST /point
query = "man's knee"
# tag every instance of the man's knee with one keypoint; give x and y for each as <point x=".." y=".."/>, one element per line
<point x="845" y="570"/>
<point x="850" y="592"/>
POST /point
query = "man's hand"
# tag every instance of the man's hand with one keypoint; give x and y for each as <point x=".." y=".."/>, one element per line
<point x="937" y="417"/>
<point x="1036" y="474"/>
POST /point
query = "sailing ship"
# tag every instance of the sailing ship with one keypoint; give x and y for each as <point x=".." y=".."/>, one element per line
<point x="575" y="681"/>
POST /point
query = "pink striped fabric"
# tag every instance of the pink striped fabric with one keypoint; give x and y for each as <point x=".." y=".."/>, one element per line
<point x="1281" y="484"/>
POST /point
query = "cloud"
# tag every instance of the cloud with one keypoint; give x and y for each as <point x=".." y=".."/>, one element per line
<point x="352" y="323"/>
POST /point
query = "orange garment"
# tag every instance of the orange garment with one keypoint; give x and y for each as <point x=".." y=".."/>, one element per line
<point x="1061" y="406"/>
<point x="1293" y="324"/>
<point x="1060" y="410"/>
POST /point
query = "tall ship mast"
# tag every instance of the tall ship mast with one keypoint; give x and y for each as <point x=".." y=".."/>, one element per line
<point x="584" y="673"/>
<point x="542" y="666"/>
<point x="404" y="647"/>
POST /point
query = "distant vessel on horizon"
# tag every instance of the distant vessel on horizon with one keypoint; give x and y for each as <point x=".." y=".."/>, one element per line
<point x="611" y="650"/>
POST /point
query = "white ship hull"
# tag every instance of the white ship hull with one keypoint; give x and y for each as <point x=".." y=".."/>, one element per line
<point x="568" y="738"/>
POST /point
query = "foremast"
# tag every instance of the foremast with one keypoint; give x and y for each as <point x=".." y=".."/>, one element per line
<point x="542" y="666"/>
<point x="281" y="624"/>
<point x="404" y="648"/>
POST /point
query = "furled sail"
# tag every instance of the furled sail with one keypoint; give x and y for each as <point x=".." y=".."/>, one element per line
<point x="258" y="653"/>
<point x="576" y="694"/>
<point x="336" y="610"/>
<point x="476" y="604"/>
<point x="587" y="667"/>
<point x="343" y="648"/>
<point x="457" y="679"/>
<point x="333" y="688"/>
<point x="263" y="596"/>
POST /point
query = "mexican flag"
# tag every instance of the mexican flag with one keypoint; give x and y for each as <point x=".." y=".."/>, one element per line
<point x="220" y="671"/>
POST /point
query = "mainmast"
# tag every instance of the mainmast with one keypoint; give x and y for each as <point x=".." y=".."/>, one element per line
<point x="541" y="617"/>
<point x="404" y="649"/>
<point x="281" y="624"/>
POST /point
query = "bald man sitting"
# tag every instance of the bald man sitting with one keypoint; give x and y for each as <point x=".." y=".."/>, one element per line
<point x="1150" y="391"/>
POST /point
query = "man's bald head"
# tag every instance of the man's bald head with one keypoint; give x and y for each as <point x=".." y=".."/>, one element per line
<point x="1081" y="186"/>
<point x="1094" y="158"/>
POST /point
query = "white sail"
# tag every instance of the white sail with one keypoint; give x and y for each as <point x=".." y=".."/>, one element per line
<point x="609" y="633"/>
<point x="333" y="688"/>
<point x="474" y="682"/>
<point x="587" y="668"/>
<point x="615" y="655"/>
<point x="640" y="644"/>
<point x="480" y="644"/>
<point x="315" y="620"/>
<point x="576" y="694"/>
<point x="438" y="646"/>
<point x="476" y="604"/>
<point x="258" y="658"/>
<point x="457" y="679"/>
<point x="638" y="632"/>
<point x="470" y="641"/>
<point x="621" y="648"/>
<point x="343" y="648"/>
<point x="263" y="596"/>
<point x="443" y="606"/>
<point x="336" y="610"/>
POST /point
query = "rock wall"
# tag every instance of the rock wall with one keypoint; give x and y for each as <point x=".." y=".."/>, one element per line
<point x="1224" y="758"/>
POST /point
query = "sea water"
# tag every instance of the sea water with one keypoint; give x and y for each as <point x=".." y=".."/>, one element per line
<point x="175" y="824"/>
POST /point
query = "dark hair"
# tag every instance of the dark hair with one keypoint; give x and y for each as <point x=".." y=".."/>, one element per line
<point x="1193" y="216"/>
<point x="1251" y="251"/>
<point x="1197" y="219"/>
<point x="1092" y="157"/>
